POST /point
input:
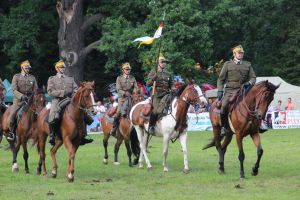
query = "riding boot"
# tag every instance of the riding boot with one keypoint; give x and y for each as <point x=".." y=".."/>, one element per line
<point x="225" y="124"/>
<point x="52" y="134"/>
<point x="12" y="127"/>
<point x="263" y="127"/>
<point x="152" y="123"/>
<point x="115" y="125"/>
<point x="85" y="140"/>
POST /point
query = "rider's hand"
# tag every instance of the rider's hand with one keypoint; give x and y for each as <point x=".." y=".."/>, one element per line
<point x="67" y="94"/>
<point x="220" y="95"/>
<point x="247" y="85"/>
<point x="24" y="98"/>
<point x="126" y="94"/>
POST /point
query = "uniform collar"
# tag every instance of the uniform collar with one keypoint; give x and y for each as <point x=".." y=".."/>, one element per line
<point x="24" y="74"/>
<point x="125" y="76"/>
<point x="60" y="75"/>
<point x="237" y="62"/>
<point x="160" y="69"/>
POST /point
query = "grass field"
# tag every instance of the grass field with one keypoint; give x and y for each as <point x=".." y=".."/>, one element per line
<point x="278" y="178"/>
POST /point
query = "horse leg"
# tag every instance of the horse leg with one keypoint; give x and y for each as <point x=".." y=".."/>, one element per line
<point x="217" y="136"/>
<point x="41" y="148"/>
<point x="129" y="153"/>
<point x="71" y="150"/>
<point x="116" y="150"/>
<point x="25" y="156"/>
<point x="142" y="136"/>
<point x="256" y="141"/>
<point x="223" y="149"/>
<point x="183" y="141"/>
<point x="239" y="140"/>
<point x="105" y="144"/>
<point x="15" y="149"/>
<point x="53" y="151"/>
<point x="166" y="140"/>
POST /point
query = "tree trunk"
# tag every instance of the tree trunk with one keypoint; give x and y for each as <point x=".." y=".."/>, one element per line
<point x="71" y="37"/>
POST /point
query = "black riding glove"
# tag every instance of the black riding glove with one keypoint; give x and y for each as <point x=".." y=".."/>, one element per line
<point x="24" y="98"/>
<point x="67" y="94"/>
<point x="220" y="95"/>
<point x="247" y="85"/>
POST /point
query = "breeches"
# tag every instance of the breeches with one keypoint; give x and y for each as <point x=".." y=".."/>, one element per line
<point x="53" y="110"/>
<point x="13" y="111"/>
<point x="156" y="107"/>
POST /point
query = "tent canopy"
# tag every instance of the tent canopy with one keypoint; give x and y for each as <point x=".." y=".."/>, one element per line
<point x="9" y="96"/>
<point x="284" y="92"/>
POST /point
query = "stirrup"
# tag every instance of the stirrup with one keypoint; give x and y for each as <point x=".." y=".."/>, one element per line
<point x="222" y="131"/>
<point x="10" y="136"/>
<point x="52" y="141"/>
<point x="151" y="130"/>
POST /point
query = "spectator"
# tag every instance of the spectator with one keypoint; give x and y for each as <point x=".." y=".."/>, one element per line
<point x="100" y="108"/>
<point x="278" y="107"/>
<point x="290" y="105"/>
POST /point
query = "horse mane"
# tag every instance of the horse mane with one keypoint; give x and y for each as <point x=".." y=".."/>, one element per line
<point x="181" y="90"/>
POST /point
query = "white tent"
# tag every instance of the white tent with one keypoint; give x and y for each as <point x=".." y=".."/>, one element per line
<point x="285" y="91"/>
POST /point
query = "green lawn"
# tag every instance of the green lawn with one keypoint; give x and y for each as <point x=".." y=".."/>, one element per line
<point x="278" y="178"/>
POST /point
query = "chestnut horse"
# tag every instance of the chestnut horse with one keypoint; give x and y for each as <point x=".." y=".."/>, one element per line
<point x="244" y="119"/>
<point x="124" y="132"/>
<point x="171" y="126"/>
<point x="73" y="127"/>
<point x="25" y="127"/>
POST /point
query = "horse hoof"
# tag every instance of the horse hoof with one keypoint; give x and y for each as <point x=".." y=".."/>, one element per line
<point x="130" y="165"/>
<point x="70" y="178"/>
<point x="254" y="172"/>
<point x="38" y="171"/>
<point x="136" y="161"/>
<point x="45" y="174"/>
<point x="166" y="169"/>
<point x="186" y="171"/>
<point x="221" y="171"/>
<point x="105" y="161"/>
<point x="27" y="171"/>
<point x="141" y="166"/>
<point x="15" y="168"/>
<point x="116" y="163"/>
<point x="149" y="168"/>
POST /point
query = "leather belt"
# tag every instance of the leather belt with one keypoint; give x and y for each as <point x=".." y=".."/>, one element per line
<point x="233" y="81"/>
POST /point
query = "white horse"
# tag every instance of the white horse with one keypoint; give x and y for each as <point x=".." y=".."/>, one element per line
<point x="171" y="126"/>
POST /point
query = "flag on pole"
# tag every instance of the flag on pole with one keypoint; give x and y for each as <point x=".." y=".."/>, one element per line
<point x="149" y="40"/>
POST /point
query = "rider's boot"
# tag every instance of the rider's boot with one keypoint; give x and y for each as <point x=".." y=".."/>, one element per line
<point x="52" y="134"/>
<point x="152" y="123"/>
<point x="85" y="140"/>
<point x="12" y="127"/>
<point x="225" y="124"/>
<point x="115" y="125"/>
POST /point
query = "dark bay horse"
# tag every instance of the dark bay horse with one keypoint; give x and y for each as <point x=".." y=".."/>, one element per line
<point x="2" y="109"/>
<point x="244" y="119"/>
<point x="124" y="133"/>
<point x="73" y="127"/>
<point x="171" y="126"/>
<point x="25" y="127"/>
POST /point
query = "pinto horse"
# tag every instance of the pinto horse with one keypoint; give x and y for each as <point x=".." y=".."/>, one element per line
<point x="25" y="127"/>
<point x="244" y="119"/>
<point x="171" y="126"/>
<point x="124" y="132"/>
<point x="73" y="127"/>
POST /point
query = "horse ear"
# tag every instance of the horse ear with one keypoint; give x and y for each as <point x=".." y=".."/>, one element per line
<point x="277" y="86"/>
<point x="93" y="83"/>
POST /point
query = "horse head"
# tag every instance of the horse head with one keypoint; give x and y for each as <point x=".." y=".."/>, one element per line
<point x="84" y="97"/>
<point x="37" y="101"/>
<point x="192" y="95"/>
<point x="262" y="94"/>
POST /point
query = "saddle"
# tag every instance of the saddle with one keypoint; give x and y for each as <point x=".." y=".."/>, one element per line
<point x="61" y="107"/>
<point x="20" y="111"/>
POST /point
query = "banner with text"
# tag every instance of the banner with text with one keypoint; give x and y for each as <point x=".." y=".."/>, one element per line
<point x="286" y="119"/>
<point x="199" y="122"/>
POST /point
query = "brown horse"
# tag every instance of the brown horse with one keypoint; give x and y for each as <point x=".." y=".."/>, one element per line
<point x="124" y="133"/>
<point x="73" y="127"/>
<point x="25" y="127"/>
<point x="244" y="119"/>
<point x="171" y="126"/>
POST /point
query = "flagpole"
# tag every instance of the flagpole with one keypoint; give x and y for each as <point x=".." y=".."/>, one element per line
<point x="157" y="60"/>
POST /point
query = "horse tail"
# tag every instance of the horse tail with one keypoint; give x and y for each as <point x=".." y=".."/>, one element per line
<point x="211" y="144"/>
<point x="135" y="144"/>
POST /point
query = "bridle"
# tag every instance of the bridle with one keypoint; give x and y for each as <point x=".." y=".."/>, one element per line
<point x="254" y="113"/>
<point x="85" y="108"/>
<point x="186" y="98"/>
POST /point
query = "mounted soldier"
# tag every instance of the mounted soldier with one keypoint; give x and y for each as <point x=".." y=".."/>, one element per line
<point x="61" y="88"/>
<point x="234" y="74"/>
<point x="162" y="88"/>
<point x="23" y="85"/>
<point x="125" y="85"/>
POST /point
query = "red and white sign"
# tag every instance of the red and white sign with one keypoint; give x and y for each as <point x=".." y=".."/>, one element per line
<point x="286" y="119"/>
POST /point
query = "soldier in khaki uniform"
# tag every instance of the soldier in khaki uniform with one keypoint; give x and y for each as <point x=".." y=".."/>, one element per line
<point x="23" y="86"/>
<point x="125" y="84"/>
<point x="234" y="74"/>
<point x="163" y="87"/>
<point x="59" y="88"/>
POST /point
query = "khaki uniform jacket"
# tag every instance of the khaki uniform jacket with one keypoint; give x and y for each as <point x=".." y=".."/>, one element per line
<point x="163" y="87"/>
<point x="233" y="76"/>
<point x="124" y="84"/>
<point x="57" y="87"/>
<point x="22" y="85"/>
